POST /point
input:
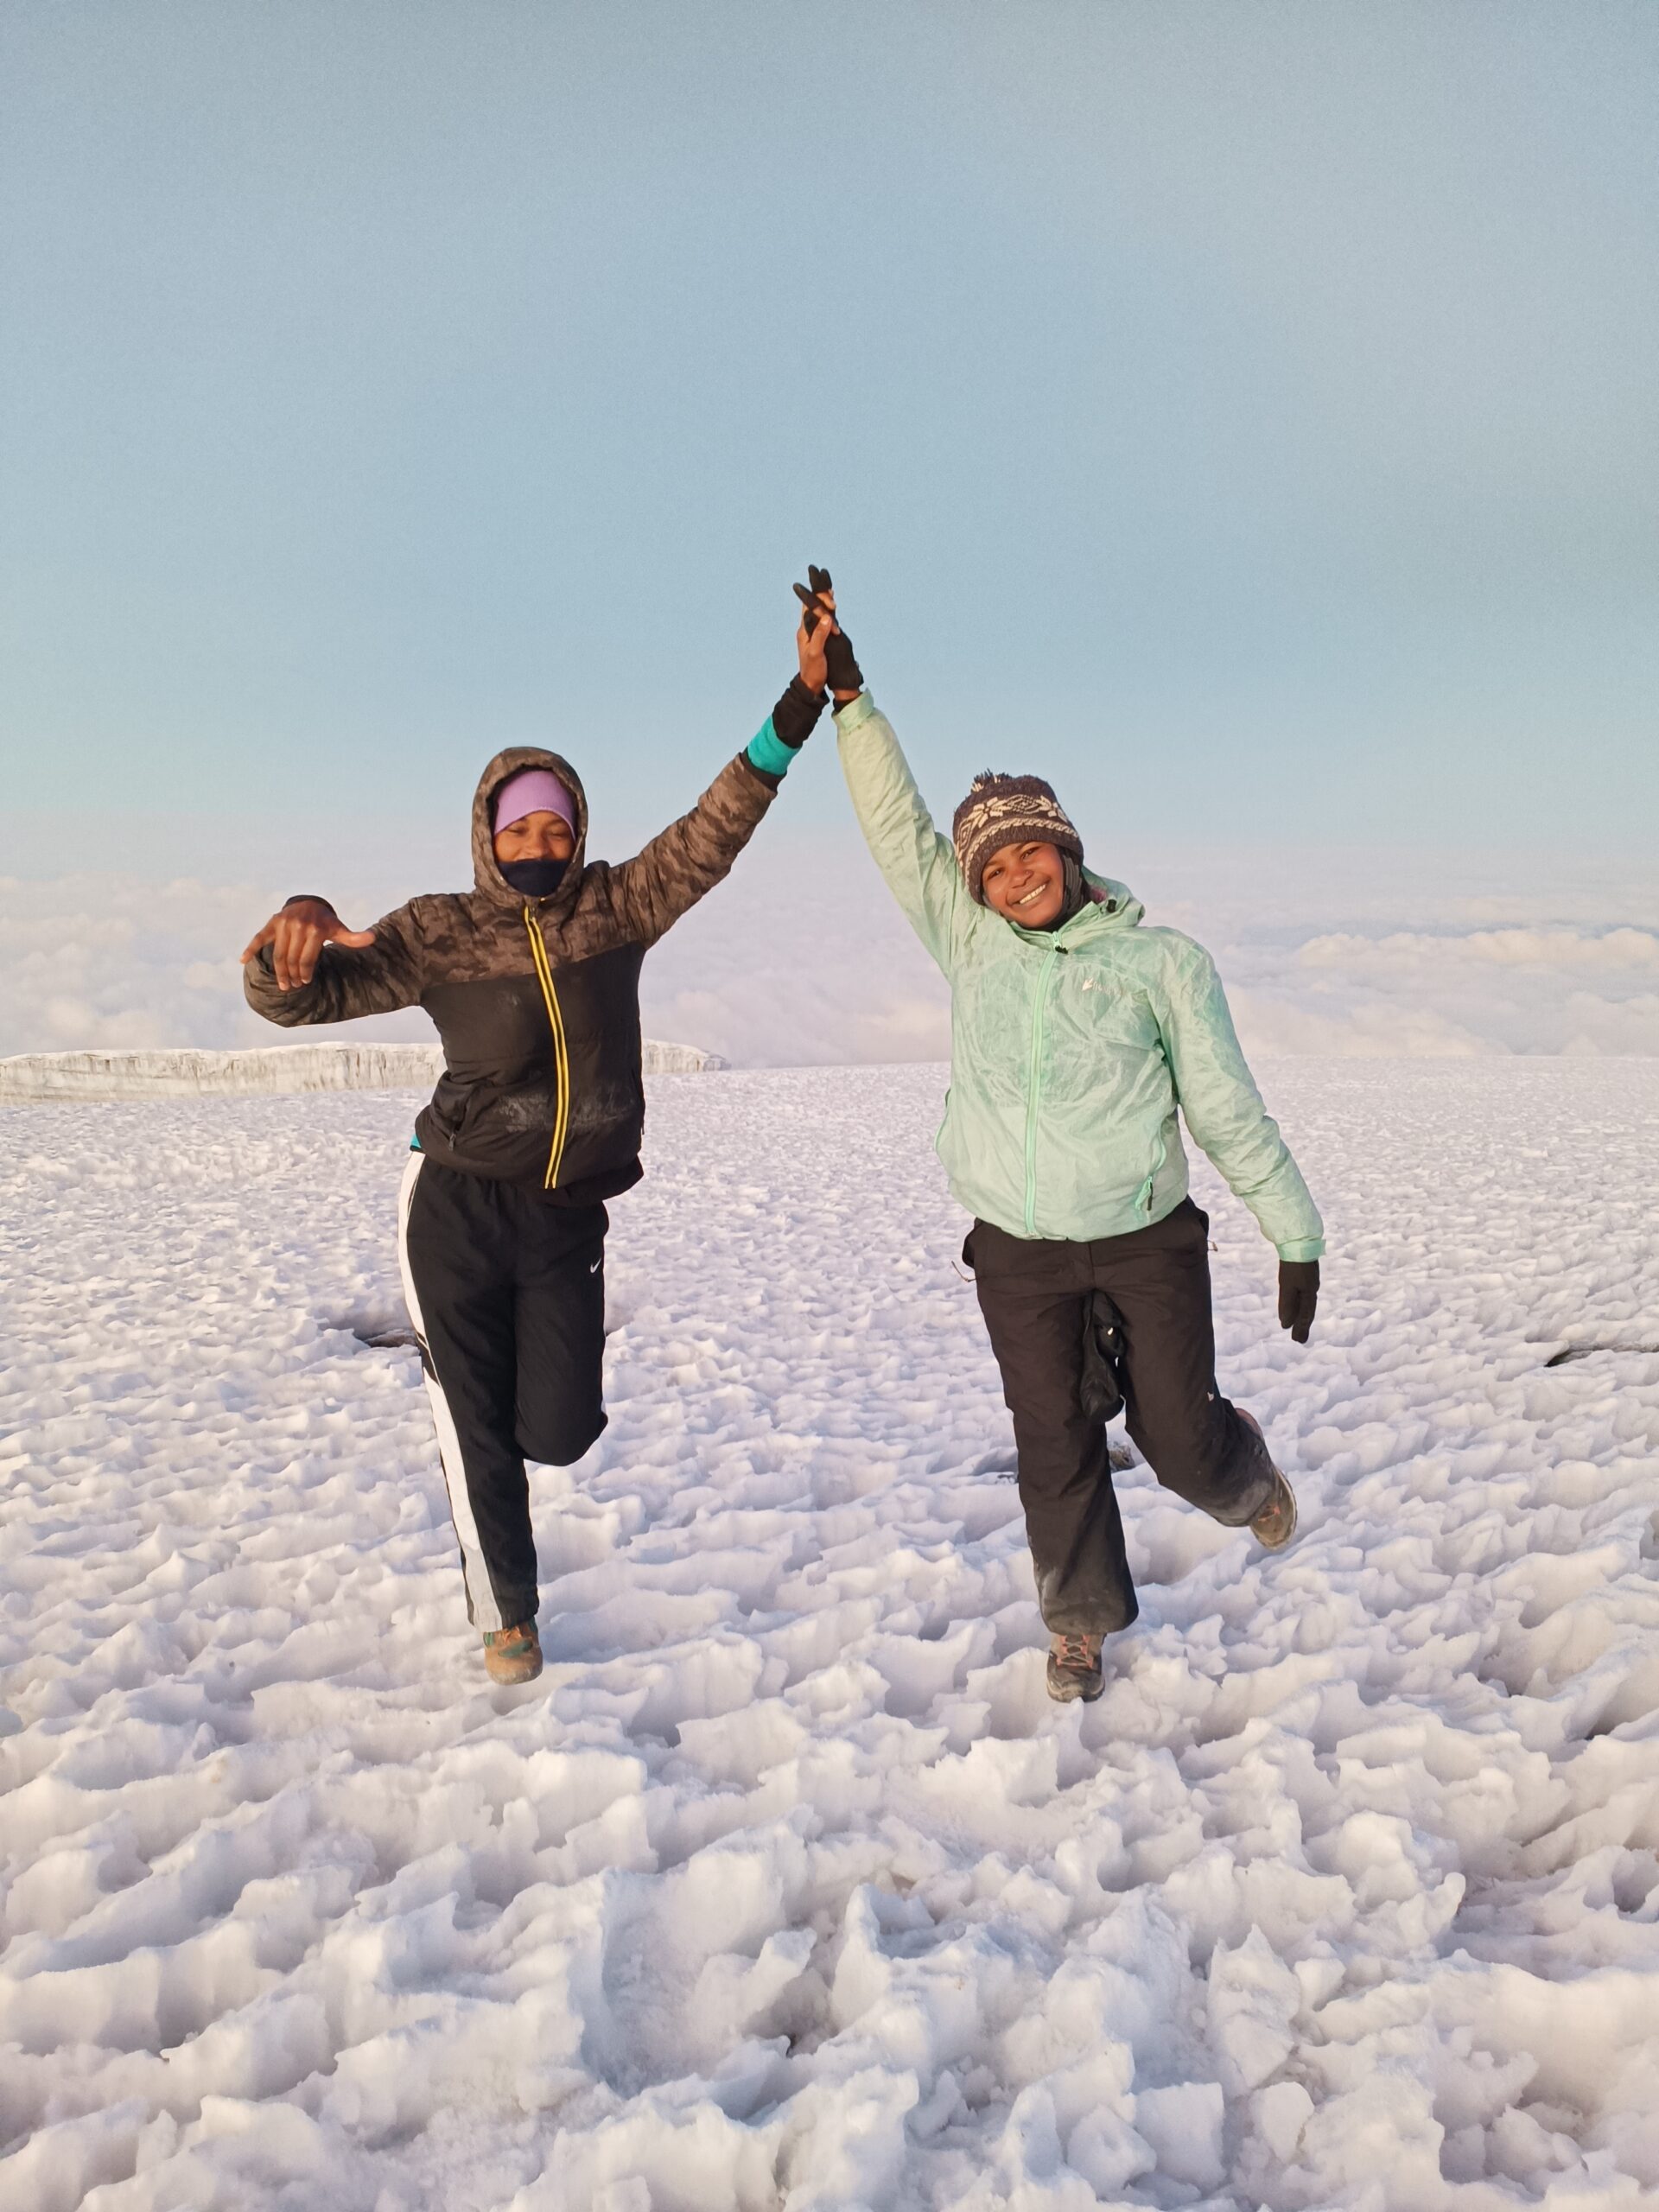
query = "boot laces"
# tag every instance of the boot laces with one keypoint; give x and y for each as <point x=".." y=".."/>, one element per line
<point x="1079" y="1651"/>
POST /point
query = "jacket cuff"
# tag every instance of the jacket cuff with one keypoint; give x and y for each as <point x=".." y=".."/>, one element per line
<point x="764" y="777"/>
<point x="1302" y="1247"/>
<point x="795" y="714"/>
<point x="767" y="751"/>
<point x="259" y="979"/>
<point x="855" y="711"/>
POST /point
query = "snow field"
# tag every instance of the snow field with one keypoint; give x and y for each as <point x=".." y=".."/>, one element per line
<point x="786" y="1886"/>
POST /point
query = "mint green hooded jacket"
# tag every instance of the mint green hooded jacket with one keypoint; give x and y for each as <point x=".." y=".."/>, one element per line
<point x="1071" y="1050"/>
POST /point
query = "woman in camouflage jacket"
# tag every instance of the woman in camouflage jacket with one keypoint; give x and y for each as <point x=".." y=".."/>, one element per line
<point x="533" y="979"/>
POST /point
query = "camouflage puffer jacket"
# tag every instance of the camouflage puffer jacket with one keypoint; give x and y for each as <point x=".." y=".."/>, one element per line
<point x="536" y="1000"/>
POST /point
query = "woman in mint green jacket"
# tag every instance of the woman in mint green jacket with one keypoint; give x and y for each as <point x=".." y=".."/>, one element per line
<point x="1076" y="1032"/>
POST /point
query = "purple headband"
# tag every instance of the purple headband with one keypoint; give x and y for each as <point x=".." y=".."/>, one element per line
<point x="533" y="790"/>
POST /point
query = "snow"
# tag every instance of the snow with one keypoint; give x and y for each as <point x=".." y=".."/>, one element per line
<point x="28" y="1079"/>
<point x="786" y="1886"/>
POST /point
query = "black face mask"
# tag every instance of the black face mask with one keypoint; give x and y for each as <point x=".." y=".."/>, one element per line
<point x="535" y="879"/>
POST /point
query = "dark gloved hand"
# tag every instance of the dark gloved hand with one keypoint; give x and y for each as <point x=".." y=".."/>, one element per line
<point x="1299" y="1297"/>
<point x="839" y="663"/>
<point x="815" y="611"/>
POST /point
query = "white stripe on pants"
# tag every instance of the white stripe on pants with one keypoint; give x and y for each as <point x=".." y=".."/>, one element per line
<point x="486" y="1611"/>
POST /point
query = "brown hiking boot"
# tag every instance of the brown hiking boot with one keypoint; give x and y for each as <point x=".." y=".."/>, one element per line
<point x="512" y="1654"/>
<point x="1074" y="1668"/>
<point x="1275" y="1524"/>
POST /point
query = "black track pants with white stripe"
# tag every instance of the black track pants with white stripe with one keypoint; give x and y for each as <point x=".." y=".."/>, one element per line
<point x="506" y="1295"/>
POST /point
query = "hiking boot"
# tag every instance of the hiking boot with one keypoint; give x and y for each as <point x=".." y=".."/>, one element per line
<point x="1275" y="1524"/>
<point x="512" y="1654"/>
<point x="1074" y="1668"/>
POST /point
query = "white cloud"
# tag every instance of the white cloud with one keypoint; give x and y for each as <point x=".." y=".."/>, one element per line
<point x="1614" y="950"/>
<point x="114" y="961"/>
<point x="1384" y="1031"/>
<point x="803" y="956"/>
<point x="1549" y="988"/>
<point x="1595" y="1026"/>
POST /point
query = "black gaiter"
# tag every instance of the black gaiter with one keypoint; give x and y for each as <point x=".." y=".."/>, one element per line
<point x="535" y="879"/>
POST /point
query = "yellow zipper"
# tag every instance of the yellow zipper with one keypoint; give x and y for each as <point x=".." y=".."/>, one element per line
<point x="561" y="1057"/>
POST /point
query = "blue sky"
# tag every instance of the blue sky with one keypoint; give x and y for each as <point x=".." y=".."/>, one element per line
<point x="1244" y="413"/>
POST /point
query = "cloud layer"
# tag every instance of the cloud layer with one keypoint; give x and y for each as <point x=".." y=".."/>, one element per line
<point x="803" y="957"/>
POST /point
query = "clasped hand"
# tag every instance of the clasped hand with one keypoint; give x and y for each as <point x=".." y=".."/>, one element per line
<point x="822" y="646"/>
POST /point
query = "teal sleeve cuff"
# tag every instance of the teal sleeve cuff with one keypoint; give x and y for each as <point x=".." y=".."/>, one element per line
<point x="768" y="752"/>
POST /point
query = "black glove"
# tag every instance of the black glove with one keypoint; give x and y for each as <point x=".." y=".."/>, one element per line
<point x="814" y="609"/>
<point x="840" y="664"/>
<point x="1299" y="1297"/>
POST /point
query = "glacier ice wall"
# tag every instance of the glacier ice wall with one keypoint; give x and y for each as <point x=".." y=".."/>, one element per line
<point x="33" y="1077"/>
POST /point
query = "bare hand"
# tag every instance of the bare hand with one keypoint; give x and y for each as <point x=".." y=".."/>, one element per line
<point x="296" y="937"/>
<point x="810" y="642"/>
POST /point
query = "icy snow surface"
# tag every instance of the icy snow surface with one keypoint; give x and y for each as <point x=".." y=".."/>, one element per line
<point x="786" y="1886"/>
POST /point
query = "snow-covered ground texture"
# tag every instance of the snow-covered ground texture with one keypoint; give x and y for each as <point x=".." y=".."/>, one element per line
<point x="786" y="1886"/>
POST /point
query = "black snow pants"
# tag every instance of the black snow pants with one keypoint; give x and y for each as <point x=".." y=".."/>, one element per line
<point x="506" y="1295"/>
<point x="1068" y="1323"/>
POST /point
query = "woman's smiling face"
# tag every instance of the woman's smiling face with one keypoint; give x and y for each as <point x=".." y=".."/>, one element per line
<point x="1026" y="884"/>
<point x="538" y="836"/>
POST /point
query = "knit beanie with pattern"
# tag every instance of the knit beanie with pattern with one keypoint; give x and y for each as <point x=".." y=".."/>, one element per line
<point x="1003" y="810"/>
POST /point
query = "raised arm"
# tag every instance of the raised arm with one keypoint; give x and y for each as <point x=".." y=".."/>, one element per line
<point x="1224" y="1108"/>
<point x="305" y="966"/>
<point x="916" y="859"/>
<point x="692" y="855"/>
<point x="920" y="865"/>
<point x="688" y="859"/>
